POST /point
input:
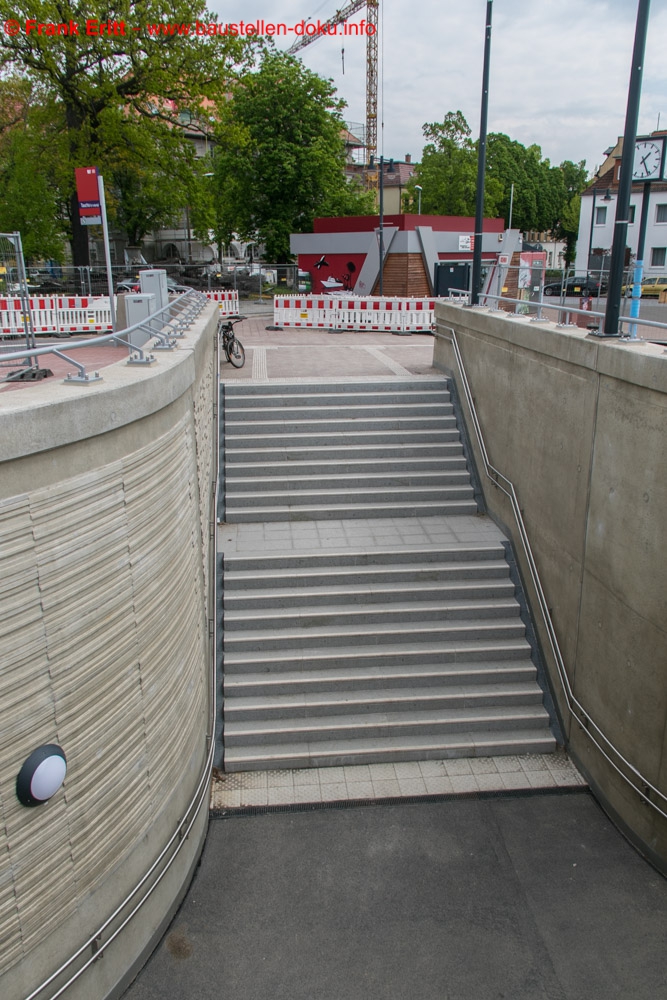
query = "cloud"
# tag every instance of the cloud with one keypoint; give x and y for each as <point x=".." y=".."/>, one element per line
<point x="559" y="68"/>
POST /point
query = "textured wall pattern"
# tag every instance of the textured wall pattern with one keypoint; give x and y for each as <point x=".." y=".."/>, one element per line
<point x="104" y="650"/>
<point x="204" y="437"/>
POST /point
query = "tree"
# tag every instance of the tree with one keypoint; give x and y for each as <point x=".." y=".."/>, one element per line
<point x="448" y="171"/>
<point x="106" y="82"/>
<point x="575" y="180"/>
<point x="279" y="157"/>
<point x="546" y="198"/>
<point x="29" y="203"/>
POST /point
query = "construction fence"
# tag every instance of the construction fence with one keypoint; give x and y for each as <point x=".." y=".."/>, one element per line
<point x="334" y="312"/>
<point x="61" y="316"/>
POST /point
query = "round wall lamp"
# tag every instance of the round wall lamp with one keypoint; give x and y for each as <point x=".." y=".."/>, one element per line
<point x="42" y="775"/>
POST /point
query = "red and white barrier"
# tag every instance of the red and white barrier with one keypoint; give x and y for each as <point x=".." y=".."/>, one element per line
<point x="391" y="314"/>
<point x="228" y="302"/>
<point x="51" y="314"/>
<point x="303" y="310"/>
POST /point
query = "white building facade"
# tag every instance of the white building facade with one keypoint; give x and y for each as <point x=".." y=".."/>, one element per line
<point x="598" y="210"/>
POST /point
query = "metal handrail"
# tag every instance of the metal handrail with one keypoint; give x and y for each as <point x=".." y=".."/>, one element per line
<point x="574" y="706"/>
<point x="562" y="308"/>
<point x="184" y="307"/>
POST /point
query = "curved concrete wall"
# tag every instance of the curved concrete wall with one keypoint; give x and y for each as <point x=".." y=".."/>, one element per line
<point x="106" y="513"/>
<point x="579" y="426"/>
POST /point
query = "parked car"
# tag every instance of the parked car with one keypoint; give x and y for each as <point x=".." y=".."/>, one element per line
<point x="577" y="286"/>
<point x="653" y="286"/>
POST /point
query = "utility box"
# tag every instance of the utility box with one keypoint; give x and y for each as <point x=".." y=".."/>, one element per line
<point x="139" y="307"/>
<point x="449" y="276"/>
<point x="154" y="282"/>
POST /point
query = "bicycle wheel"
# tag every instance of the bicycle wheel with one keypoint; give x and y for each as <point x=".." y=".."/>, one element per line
<point x="236" y="353"/>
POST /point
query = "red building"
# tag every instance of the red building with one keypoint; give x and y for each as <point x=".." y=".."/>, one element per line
<point x="343" y="254"/>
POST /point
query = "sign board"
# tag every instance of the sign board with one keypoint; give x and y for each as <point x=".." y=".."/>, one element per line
<point x="467" y="243"/>
<point x="504" y="259"/>
<point x="88" y="193"/>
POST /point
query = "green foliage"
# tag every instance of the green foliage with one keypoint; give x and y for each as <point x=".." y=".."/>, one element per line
<point x="448" y="172"/>
<point x="279" y="157"/>
<point x="29" y="201"/>
<point x="546" y="198"/>
<point x="117" y="99"/>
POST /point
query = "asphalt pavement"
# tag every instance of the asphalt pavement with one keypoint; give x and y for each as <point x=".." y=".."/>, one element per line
<point x="481" y="897"/>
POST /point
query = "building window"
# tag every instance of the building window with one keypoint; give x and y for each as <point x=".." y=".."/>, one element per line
<point x="600" y="215"/>
<point x="661" y="213"/>
<point x="631" y="216"/>
<point x="658" y="256"/>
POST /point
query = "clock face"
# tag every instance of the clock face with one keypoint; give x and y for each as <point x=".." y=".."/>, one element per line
<point x="648" y="159"/>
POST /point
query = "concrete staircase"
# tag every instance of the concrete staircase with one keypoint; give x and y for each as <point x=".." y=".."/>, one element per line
<point x="313" y="452"/>
<point x="380" y="653"/>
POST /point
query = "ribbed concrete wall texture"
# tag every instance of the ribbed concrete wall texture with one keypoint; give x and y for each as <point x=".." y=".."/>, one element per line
<point x="106" y="503"/>
<point x="579" y="427"/>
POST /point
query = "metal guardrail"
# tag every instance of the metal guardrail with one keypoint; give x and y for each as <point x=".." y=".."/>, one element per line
<point x="567" y="311"/>
<point x="165" y="325"/>
<point x="644" y="788"/>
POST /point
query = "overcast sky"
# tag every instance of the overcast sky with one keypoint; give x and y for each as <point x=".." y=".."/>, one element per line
<point x="559" y="68"/>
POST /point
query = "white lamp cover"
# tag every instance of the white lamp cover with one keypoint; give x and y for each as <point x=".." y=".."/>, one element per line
<point x="42" y="775"/>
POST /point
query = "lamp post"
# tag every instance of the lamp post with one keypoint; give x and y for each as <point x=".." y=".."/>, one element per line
<point x="611" y="318"/>
<point x="481" y="163"/>
<point x="381" y="220"/>
<point x="418" y="187"/>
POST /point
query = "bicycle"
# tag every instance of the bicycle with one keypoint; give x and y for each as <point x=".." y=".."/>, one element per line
<point x="231" y="345"/>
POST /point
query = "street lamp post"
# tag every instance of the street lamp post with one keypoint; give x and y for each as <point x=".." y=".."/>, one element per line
<point x="611" y="318"/>
<point x="381" y="222"/>
<point x="418" y="187"/>
<point x="481" y="163"/>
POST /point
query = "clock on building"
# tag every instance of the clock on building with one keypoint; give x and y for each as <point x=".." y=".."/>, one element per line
<point x="648" y="159"/>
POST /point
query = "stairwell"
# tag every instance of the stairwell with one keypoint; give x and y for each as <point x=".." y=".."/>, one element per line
<point x="379" y="649"/>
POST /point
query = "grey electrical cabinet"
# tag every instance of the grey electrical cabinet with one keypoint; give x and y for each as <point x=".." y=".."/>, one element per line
<point x="139" y="307"/>
<point x="154" y="282"/>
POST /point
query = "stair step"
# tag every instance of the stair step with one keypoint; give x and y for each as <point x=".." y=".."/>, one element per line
<point x="353" y="677"/>
<point x="322" y="439"/>
<point x="391" y="561"/>
<point x="356" y="615"/>
<point x="316" y="496"/>
<point x="384" y="656"/>
<point x="376" y="725"/>
<point x="342" y="702"/>
<point x="370" y="594"/>
<point x="281" y="451"/>
<point x="341" y="426"/>
<point x="241" y="515"/>
<point x="389" y="385"/>
<point x="367" y="482"/>
<point x="345" y="411"/>
<point x="369" y="466"/>
<point x="370" y="577"/>
<point x="322" y="400"/>
<point x="412" y="632"/>
<point x="389" y="749"/>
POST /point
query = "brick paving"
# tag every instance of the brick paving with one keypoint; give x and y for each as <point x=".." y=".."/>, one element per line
<point x="314" y="353"/>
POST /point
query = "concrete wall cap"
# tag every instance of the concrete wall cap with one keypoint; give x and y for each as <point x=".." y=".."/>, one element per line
<point x="50" y="414"/>
<point x="639" y="362"/>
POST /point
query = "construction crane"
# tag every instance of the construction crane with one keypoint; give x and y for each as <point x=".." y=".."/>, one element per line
<point x="372" y="10"/>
